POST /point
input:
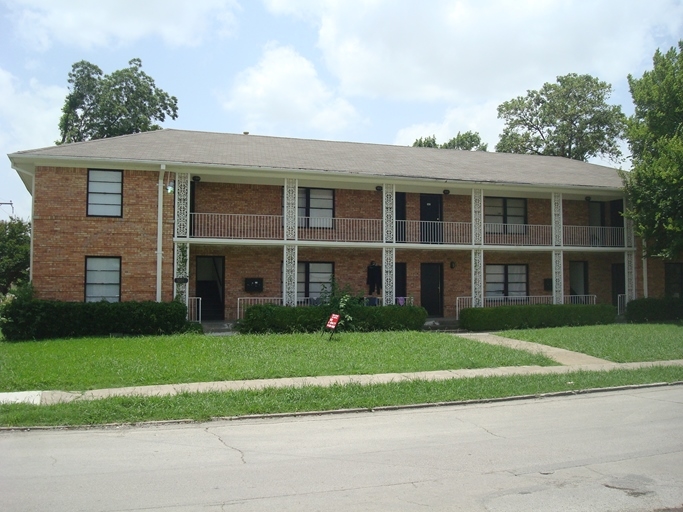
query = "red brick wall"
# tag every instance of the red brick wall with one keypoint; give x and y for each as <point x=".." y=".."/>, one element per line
<point x="574" y="213"/>
<point x="357" y="204"/>
<point x="238" y="198"/>
<point x="599" y="272"/>
<point x="64" y="235"/>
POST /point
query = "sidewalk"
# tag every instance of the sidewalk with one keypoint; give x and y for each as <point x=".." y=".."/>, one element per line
<point x="571" y="361"/>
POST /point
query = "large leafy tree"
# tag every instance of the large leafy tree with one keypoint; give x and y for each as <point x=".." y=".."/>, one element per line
<point x="99" y="106"/>
<point x="569" y="118"/>
<point x="654" y="186"/>
<point x="467" y="141"/>
<point x="15" y="252"/>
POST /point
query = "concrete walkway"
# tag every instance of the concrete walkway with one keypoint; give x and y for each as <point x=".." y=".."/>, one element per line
<point x="571" y="361"/>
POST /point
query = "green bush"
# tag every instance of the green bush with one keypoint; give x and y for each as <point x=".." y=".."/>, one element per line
<point x="25" y="318"/>
<point x="654" y="310"/>
<point x="540" y="315"/>
<point x="268" y="318"/>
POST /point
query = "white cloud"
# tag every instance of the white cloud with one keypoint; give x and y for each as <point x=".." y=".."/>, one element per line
<point x="457" y="50"/>
<point x="87" y="24"/>
<point x="284" y="90"/>
<point x="29" y="118"/>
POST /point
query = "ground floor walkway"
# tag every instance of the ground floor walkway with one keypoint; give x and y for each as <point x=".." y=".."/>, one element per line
<point x="570" y="361"/>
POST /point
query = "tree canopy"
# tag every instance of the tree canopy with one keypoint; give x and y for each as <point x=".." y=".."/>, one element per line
<point x="15" y="252"/>
<point x="99" y="106"/>
<point x="569" y="118"/>
<point x="467" y="141"/>
<point x="654" y="186"/>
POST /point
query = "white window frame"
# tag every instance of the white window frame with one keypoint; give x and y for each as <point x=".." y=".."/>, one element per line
<point x="102" y="278"/>
<point x="500" y="287"/>
<point x="312" y="277"/>
<point x="316" y="207"/>
<point x="105" y="193"/>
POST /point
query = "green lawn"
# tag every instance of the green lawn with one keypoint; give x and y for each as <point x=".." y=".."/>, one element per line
<point x="620" y="343"/>
<point x="94" y="363"/>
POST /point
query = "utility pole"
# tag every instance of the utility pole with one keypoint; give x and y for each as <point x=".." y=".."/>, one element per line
<point x="10" y="204"/>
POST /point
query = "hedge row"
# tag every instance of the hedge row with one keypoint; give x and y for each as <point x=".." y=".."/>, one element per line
<point x="32" y="319"/>
<point x="530" y="317"/>
<point x="268" y="318"/>
<point x="654" y="310"/>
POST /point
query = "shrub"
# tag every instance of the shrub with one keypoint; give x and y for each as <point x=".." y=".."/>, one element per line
<point x="654" y="310"/>
<point x="281" y="319"/>
<point x="25" y="318"/>
<point x="530" y="317"/>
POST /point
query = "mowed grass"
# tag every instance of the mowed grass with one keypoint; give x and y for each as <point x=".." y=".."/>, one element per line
<point x="619" y="343"/>
<point x="204" y="406"/>
<point x="95" y="363"/>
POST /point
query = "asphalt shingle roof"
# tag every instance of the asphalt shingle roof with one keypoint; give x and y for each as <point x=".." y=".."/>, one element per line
<point x="255" y="151"/>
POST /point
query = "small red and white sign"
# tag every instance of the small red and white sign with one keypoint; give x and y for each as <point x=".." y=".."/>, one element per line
<point x="332" y="322"/>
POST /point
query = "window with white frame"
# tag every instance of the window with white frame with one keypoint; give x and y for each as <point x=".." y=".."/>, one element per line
<point x="673" y="280"/>
<point x="105" y="193"/>
<point x="102" y="279"/>
<point x="316" y="207"/>
<point x="312" y="278"/>
<point x="504" y="214"/>
<point x="506" y="280"/>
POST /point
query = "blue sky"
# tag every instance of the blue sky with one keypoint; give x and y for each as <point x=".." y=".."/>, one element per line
<point x="381" y="71"/>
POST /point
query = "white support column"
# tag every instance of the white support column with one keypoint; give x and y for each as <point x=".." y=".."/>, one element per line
<point x="181" y="258"/>
<point x="477" y="216"/>
<point x="645" y="291"/>
<point x="557" y="219"/>
<point x="291" y="208"/>
<point x="388" y="283"/>
<point x="558" y="277"/>
<point x="290" y="259"/>
<point x="477" y="282"/>
<point x="477" y="278"/>
<point x="630" y="267"/>
<point x="389" y="212"/>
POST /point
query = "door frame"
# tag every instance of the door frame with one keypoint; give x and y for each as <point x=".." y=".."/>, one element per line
<point x="424" y="292"/>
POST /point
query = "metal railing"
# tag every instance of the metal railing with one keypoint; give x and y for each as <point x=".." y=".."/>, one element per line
<point x="490" y="302"/>
<point x="593" y="236"/>
<point x="244" y="302"/>
<point x="194" y="309"/>
<point x="428" y="232"/>
<point x="621" y="304"/>
<point x="340" y="230"/>
<point x="226" y="225"/>
<point x="517" y="234"/>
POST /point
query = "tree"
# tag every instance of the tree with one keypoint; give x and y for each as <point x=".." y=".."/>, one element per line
<point x="569" y="118"/>
<point x="15" y="252"/>
<point x="467" y="141"/>
<point x="654" y="186"/>
<point x="100" y="106"/>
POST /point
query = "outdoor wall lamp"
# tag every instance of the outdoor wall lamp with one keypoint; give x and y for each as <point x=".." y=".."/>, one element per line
<point x="446" y="192"/>
<point x="378" y="188"/>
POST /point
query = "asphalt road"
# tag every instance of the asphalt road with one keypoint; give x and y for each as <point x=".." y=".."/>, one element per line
<point x="616" y="451"/>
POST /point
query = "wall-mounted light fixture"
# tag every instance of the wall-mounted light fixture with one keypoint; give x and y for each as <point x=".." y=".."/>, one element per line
<point x="196" y="178"/>
<point x="452" y="264"/>
<point x="170" y="186"/>
<point x="378" y="188"/>
<point x="588" y="198"/>
<point x="446" y="192"/>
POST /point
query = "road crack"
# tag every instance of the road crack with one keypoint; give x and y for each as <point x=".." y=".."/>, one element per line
<point x="220" y="439"/>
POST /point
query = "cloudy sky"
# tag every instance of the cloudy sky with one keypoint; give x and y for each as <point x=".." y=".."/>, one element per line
<point x="381" y="71"/>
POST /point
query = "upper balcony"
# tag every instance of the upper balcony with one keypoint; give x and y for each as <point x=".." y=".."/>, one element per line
<point x="221" y="226"/>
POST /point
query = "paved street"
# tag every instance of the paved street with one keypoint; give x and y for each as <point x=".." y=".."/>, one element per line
<point x="617" y="451"/>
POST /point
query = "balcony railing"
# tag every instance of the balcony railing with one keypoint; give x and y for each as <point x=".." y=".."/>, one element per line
<point x="517" y="234"/>
<point x="194" y="309"/>
<point x="593" y="236"/>
<point x="245" y="302"/>
<point x="327" y="229"/>
<point x="491" y="302"/>
<point x="427" y="232"/>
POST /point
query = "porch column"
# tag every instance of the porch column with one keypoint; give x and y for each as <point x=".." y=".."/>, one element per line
<point x="181" y="272"/>
<point x="291" y="208"/>
<point x="477" y="251"/>
<point x="558" y="243"/>
<point x="289" y="258"/>
<point x="388" y="212"/>
<point x="389" y="289"/>
<point x="630" y="258"/>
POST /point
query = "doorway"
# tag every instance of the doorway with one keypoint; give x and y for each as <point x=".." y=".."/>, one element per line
<point x="578" y="281"/>
<point x="618" y="282"/>
<point x="431" y="288"/>
<point x="431" y="212"/>
<point x="211" y="286"/>
<point x="400" y="281"/>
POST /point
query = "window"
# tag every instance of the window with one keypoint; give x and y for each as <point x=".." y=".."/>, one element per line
<point x="508" y="213"/>
<point x="105" y="193"/>
<point x="312" y="278"/>
<point x="316" y="207"/>
<point x="673" y="280"/>
<point x="506" y="280"/>
<point x="102" y="279"/>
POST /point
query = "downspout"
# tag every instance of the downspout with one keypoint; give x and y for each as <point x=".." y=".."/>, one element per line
<point x="160" y="229"/>
<point x="644" y="273"/>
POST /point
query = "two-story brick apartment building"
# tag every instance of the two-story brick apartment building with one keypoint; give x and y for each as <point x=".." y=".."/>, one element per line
<point x="240" y="219"/>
